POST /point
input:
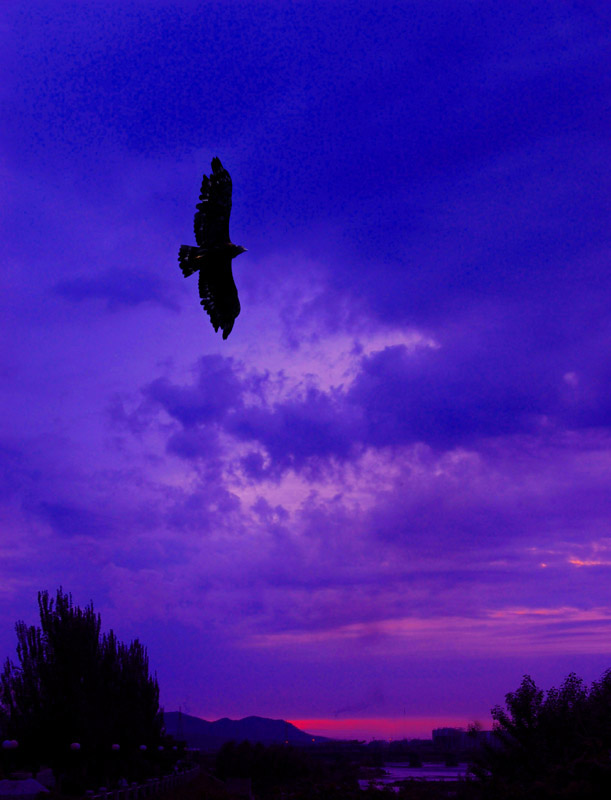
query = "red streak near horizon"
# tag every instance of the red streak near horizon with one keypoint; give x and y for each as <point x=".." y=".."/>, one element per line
<point x="380" y="727"/>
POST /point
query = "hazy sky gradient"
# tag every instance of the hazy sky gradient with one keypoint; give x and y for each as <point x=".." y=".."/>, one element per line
<point x="388" y="494"/>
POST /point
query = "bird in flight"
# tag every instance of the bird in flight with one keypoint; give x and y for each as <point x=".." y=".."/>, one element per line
<point x="213" y="255"/>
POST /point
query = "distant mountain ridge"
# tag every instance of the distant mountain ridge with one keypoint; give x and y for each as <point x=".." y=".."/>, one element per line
<point x="212" y="735"/>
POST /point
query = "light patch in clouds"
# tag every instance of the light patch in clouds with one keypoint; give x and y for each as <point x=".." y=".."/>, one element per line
<point x="571" y="378"/>
<point x="510" y="631"/>
<point x="360" y="483"/>
<point x="334" y="359"/>
<point x="600" y="551"/>
<point x="577" y="554"/>
<point x="578" y="562"/>
<point x="306" y="325"/>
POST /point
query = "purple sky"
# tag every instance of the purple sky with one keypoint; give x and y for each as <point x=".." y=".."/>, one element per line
<point x="388" y="494"/>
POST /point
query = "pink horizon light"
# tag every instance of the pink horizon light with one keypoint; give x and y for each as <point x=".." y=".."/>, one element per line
<point x="382" y="727"/>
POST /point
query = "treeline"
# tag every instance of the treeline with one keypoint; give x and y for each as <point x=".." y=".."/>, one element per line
<point x="281" y="771"/>
<point x="79" y="700"/>
<point x="547" y="745"/>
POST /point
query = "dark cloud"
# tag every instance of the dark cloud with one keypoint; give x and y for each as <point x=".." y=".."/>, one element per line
<point x="493" y="237"/>
<point x="119" y="288"/>
<point x="295" y="432"/>
<point x="194" y="444"/>
<point x="317" y="425"/>
<point x="364" y="705"/>
<point x="255" y="467"/>
<point x="445" y="397"/>
<point x="268" y="513"/>
<point x="17" y="473"/>
<point x="208" y="506"/>
<point x="136" y="420"/>
<point x="477" y="385"/>
<point x="74" y="520"/>
<point x="218" y="389"/>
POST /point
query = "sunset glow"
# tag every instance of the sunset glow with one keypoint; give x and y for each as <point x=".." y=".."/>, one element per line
<point x="389" y="728"/>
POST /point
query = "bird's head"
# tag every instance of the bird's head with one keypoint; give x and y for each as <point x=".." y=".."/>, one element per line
<point x="237" y="249"/>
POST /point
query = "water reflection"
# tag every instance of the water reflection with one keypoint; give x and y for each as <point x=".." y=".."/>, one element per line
<point x="397" y="771"/>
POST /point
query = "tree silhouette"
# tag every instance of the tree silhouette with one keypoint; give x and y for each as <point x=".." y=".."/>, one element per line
<point x="73" y="684"/>
<point x="551" y="744"/>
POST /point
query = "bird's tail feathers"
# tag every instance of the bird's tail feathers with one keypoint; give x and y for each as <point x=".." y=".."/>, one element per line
<point x="188" y="260"/>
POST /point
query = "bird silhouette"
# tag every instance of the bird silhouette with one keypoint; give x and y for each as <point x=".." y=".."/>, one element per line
<point x="215" y="251"/>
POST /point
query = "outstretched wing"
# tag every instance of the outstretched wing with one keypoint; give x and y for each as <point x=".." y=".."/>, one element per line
<point x="219" y="295"/>
<point x="212" y="217"/>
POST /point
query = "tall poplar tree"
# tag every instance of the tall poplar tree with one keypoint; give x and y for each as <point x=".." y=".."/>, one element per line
<point x="73" y="684"/>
